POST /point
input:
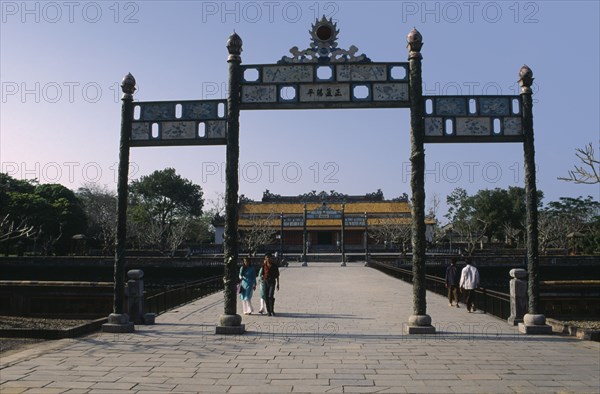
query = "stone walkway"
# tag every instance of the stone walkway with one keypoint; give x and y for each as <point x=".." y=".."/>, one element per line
<point x="337" y="329"/>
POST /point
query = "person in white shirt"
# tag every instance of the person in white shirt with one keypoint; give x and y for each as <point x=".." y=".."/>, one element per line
<point x="469" y="281"/>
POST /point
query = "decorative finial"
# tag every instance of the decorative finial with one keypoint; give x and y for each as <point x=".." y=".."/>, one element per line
<point x="525" y="79"/>
<point x="128" y="85"/>
<point x="234" y="46"/>
<point x="415" y="43"/>
<point x="324" y="47"/>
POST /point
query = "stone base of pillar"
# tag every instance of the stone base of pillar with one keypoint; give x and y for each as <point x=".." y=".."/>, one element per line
<point x="230" y="325"/>
<point x="343" y="264"/>
<point x="535" y="324"/>
<point x="230" y="330"/>
<point x="118" y="323"/>
<point x="149" y="318"/>
<point x="513" y="321"/>
<point x="305" y="264"/>
<point x="419" y="324"/>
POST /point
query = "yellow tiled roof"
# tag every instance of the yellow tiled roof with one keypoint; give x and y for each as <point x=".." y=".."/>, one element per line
<point x="269" y="212"/>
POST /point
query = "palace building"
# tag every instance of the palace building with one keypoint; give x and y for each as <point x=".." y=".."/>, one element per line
<point x="324" y="223"/>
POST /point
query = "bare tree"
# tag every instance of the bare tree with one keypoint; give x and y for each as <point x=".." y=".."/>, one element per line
<point x="177" y="235"/>
<point x="153" y="234"/>
<point x="388" y="232"/>
<point x="217" y="204"/>
<point x="434" y="206"/>
<point x="512" y="233"/>
<point x="10" y="230"/>
<point x="472" y="232"/>
<point x="260" y="233"/>
<point x="553" y="229"/>
<point x="550" y="231"/>
<point x="49" y="240"/>
<point x="432" y="212"/>
<point x="589" y="171"/>
<point x="99" y="204"/>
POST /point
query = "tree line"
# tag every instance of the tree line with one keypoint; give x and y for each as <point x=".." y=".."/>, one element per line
<point x="165" y="211"/>
<point x="499" y="215"/>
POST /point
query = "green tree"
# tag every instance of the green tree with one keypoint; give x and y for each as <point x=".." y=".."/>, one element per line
<point x="161" y="204"/>
<point x="64" y="218"/>
<point x="9" y="185"/>
<point x="492" y="213"/>
<point x="52" y="211"/>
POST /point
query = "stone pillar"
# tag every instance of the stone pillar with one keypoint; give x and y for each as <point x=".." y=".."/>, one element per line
<point x="533" y="322"/>
<point x="135" y="295"/>
<point x="118" y="322"/>
<point x="230" y="322"/>
<point x="281" y="237"/>
<point x="366" y="239"/>
<point x="342" y="240"/>
<point x="135" y="298"/>
<point x="304" y="239"/>
<point x="419" y="322"/>
<point x="518" y="296"/>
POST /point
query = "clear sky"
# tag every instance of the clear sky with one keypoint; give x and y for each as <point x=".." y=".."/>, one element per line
<point x="62" y="61"/>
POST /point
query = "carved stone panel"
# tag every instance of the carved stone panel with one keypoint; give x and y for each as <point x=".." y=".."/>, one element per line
<point x="216" y="129"/>
<point x="140" y="131"/>
<point x="434" y="127"/>
<point x="451" y="106"/>
<point x="390" y="91"/>
<point x="361" y="72"/>
<point x="494" y="106"/>
<point x="157" y="111"/>
<point x="199" y="110"/>
<point x="178" y="130"/>
<point x="513" y="126"/>
<point x="288" y="74"/>
<point x="259" y="94"/>
<point x="473" y="126"/>
<point x="324" y="92"/>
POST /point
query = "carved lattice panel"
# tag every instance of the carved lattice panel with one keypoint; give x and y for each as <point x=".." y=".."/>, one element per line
<point x="473" y="119"/>
<point x="168" y="123"/>
<point x="332" y="85"/>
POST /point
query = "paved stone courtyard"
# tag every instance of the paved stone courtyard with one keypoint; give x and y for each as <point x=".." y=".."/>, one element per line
<point x="337" y="329"/>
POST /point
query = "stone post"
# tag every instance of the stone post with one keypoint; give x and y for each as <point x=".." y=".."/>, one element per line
<point x="304" y="239"/>
<point x="533" y="322"/>
<point x="135" y="298"/>
<point x="419" y="322"/>
<point x="230" y="322"/>
<point x="518" y="296"/>
<point x="118" y="322"/>
<point x="281" y="237"/>
<point x="366" y="239"/>
<point x="342" y="243"/>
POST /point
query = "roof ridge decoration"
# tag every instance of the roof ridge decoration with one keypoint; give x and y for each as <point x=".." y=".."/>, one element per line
<point x="323" y="196"/>
<point x="323" y="48"/>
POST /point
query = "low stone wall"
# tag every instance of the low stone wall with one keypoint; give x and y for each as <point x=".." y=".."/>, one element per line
<point x="574" y="331"/>
<point x="56" y="299"/>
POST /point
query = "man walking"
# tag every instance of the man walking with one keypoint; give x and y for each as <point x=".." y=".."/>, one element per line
<point x="269" y="274"/>
<point x="469" y="281"/>
<point x="452" y="282"/>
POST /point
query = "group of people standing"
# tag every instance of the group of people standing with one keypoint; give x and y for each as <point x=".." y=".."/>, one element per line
<point x="268" y="278"/>
<point x="467" y="283"/>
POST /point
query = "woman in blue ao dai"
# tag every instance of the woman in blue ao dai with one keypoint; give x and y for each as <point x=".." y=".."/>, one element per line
<point x="248" y="285"/>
